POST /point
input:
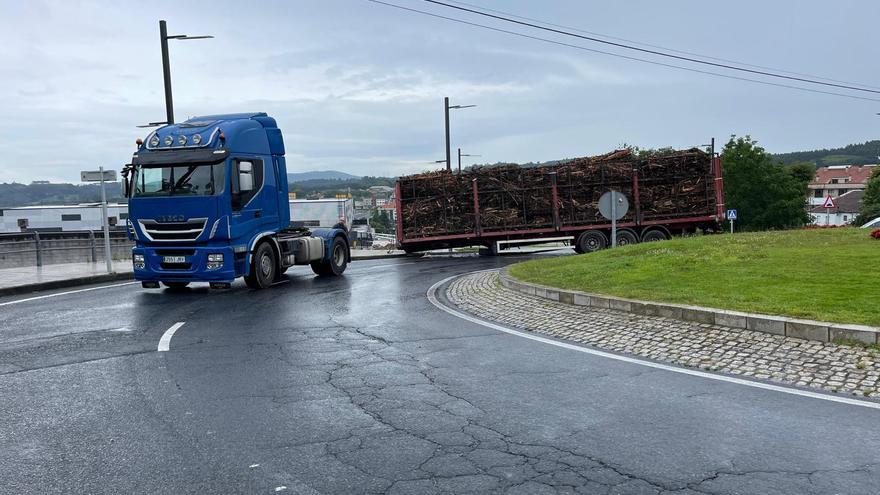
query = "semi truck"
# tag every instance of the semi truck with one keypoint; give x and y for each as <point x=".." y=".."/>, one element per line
<point x="668" y="193"/>
<point x="208" y="202"/>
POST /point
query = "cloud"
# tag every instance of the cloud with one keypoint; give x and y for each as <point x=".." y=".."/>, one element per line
<point x="359" y="88"/>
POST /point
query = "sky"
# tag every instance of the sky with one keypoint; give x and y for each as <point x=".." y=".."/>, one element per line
<point x="358" y="87"/>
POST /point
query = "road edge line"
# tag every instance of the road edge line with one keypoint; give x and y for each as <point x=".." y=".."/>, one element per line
<point x="55" y="294"/>
<point x="64" y="283"/>
<point x="432" y="298"/>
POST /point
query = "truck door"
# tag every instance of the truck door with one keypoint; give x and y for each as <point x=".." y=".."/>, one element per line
<point x="248" y="181"/>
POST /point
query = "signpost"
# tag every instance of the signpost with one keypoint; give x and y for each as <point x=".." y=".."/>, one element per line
<point x="102" y="176"/>
<point x="731" y="215"/>
<point x="613" y="205"/>
<point x="828" y="204"/>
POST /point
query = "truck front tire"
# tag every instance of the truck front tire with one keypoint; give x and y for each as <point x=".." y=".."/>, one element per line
<point x="264" y="266"/>
<point x="338" y="260"/>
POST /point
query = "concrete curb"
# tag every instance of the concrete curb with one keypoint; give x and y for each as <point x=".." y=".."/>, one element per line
<point x="777" y="325"/>
<point x="64" y="283"/>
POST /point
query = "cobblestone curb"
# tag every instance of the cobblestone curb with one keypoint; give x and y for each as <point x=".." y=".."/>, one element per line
<point x="776" y="325"/>
<point x="711" y="347"/>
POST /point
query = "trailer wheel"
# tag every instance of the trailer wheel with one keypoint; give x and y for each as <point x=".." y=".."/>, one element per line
<point x="337" y="263"/>
<point x="654" y="235"/>
<point x="591" y="241"/>
<point x="175" y="285"/>
<point x="625" y="237"/>
<point x="263" y="267"/>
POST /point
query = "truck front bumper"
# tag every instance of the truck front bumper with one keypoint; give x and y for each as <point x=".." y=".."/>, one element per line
<point x="158" y="267"/>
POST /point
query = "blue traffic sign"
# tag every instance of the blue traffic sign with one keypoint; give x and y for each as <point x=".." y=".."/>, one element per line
<point x="731" y="214"/>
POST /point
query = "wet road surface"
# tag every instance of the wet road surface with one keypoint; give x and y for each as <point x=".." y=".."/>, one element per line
<point x="360" y="385"/>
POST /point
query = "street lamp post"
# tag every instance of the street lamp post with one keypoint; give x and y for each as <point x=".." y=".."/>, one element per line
<point x="459" y="159"/>
<point x="166" y="66"/>
<point x="446" y="109"/>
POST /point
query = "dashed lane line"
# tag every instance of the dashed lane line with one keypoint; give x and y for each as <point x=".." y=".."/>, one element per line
<point x="165" y="341"/>
<point x="432" y="297"/>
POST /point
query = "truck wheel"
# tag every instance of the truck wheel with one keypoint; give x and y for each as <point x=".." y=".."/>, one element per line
<point x="654" y="235"/>
<point x="263" y="267"/>
<point x="591" y="241"/>
<point x="337" y="263"/>
<point x="625" y="237"/>
<point x="176" y="285"/>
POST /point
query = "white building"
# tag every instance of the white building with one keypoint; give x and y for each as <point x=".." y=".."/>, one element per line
<point x="64" y="218"/>
<point x="846" y="207"/>
<point x="835" y="181"/>
<point x="60" y="218"/>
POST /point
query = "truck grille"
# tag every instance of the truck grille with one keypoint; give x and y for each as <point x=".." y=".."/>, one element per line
<point x="188" y="230"/>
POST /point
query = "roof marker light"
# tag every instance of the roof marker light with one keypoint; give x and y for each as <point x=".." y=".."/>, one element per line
<point x="197" y="138"/>
<point x="138" y="141"/>
<point x="169" y="140"/>
<point x="154" y="142"/>
<point x="181" y="140"/>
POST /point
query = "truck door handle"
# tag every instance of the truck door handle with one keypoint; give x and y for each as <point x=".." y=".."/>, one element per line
<point x="258" y="213"/>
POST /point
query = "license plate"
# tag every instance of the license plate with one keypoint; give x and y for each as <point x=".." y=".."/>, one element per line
<point x="173" y="259"/>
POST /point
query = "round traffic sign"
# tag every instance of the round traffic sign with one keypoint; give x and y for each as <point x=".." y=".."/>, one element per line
<point x="621" y="205"/>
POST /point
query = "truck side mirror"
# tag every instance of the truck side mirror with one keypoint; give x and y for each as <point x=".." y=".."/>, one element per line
<point x="245" y="176"/>
<point x="127" y="177"/>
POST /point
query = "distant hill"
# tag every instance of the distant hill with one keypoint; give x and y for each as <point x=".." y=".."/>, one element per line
<point x="320" y="175"/>
<point x="15" y="194"/>
<point x="853" y="154"/>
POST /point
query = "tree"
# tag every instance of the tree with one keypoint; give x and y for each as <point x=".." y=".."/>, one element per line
<point x="381" y="222"/>
<point x="870" y="208"/>
<point x="765" y="195"/>
<point x="803" y="172"/>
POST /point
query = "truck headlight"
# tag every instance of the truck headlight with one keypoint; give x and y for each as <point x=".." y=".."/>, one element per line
<point x="138" y="260"/>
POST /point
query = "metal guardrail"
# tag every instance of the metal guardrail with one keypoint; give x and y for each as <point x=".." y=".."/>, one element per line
<point x="41" y="243"/>
<point x="384" y="238"/>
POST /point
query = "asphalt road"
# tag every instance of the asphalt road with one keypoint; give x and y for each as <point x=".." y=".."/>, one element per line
<point x="360" y="385"/>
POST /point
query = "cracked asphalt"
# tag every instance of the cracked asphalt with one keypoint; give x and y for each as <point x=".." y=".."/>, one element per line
<point x="359" y="385"/>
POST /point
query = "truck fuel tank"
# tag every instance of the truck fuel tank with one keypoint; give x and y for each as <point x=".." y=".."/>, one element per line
<point x="304" y="250"/>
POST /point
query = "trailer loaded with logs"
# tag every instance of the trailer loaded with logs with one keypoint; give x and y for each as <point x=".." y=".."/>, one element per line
<point x="669" y="193"/>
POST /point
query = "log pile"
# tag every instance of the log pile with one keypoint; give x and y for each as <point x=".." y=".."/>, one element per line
<point x="675" y="184"/>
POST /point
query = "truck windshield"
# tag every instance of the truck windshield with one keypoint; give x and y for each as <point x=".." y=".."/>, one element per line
<point x="179" y="180"/>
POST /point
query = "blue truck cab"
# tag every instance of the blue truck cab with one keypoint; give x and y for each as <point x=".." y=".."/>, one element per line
<point x="208" y="202"/>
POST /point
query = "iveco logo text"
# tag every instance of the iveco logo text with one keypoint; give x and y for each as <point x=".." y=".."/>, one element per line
<point x="170" y="218"/>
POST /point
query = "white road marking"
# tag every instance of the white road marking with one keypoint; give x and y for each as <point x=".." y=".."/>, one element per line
<point x="254" y="466"/>
<point x="36" y="298"/>
<point x="280" y="488"/>
<point x="165" y="341"/>
<point x="432" y="297"/>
